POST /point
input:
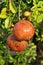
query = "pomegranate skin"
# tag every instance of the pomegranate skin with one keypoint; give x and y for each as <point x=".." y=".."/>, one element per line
<point x="23" y="30"/>
<point x="15" y="45"/>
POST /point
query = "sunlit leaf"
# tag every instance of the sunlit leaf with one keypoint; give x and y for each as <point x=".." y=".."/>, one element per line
<point x="7" y="22"/>
<point x="3" y="16"/>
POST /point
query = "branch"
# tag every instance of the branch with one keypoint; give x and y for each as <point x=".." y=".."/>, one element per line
<point x="19" y="10"/>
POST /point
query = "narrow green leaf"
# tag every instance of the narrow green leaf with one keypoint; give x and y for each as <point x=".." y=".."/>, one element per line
<point x="7" y="23"/>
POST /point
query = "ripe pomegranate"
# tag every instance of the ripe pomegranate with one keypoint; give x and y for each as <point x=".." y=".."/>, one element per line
<point x="15" y="45"/>
<point x="23" y="30"/>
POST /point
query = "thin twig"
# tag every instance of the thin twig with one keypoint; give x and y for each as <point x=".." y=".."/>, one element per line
<point x="10" y="0"/>
<point x="19" y="10"/>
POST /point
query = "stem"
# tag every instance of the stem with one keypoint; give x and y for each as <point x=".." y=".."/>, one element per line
<point x="19" y="13"/>
<point x="19" y="10"/>
<point x="10" y="0"/>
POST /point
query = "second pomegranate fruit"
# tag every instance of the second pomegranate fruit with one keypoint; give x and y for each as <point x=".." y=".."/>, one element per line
<point x="15" y="45"/>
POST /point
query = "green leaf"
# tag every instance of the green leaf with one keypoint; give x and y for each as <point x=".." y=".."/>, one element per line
<point x="40" y="9"/>
<point x="2" y="62"/>
<point x="1" y="51"/>
<point x="4" y="10"/>
<point x="28" y="1"/>
<point x="40" y="18"/>
<point x="35" y="2"/>
<point x="7" y="23"/>
<point x="3" y="13"/>
<point x="40" y="3"/>
<point x="11" y="59"/>
<point x="24" y="6"/>
<point x="29" y="60"/>
<point x="12" y="7"/>
<point x="6" y="2"/>
<point x="3" y="16"/>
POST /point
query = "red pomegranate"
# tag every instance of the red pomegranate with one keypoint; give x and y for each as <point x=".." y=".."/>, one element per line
<point x="23" y="30"/>
<point x="15" y="45"/>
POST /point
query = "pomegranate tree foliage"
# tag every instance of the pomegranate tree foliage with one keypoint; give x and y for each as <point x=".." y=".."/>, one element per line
<point x="9" y="13"/>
